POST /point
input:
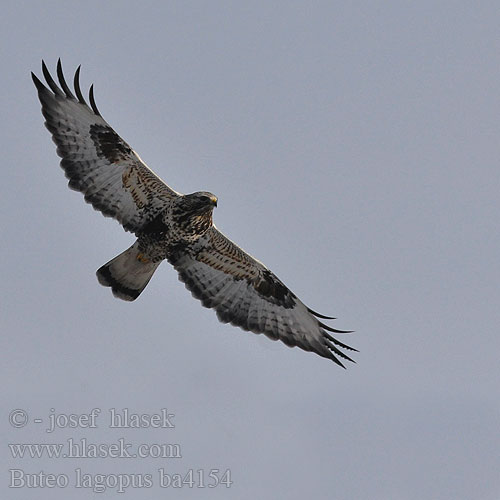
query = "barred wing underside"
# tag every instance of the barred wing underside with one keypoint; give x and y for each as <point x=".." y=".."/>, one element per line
<point x="96" y="160"/>
<point x="245" y="293"/>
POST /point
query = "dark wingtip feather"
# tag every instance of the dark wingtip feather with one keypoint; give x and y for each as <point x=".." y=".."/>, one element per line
<point x="334" y="330"/>
<point x="340" y="344"/>
<point x="38" y="84"/>
<point x="318" y="315"/>
<point x="62" y="81"/>
<point x="338" y="352"/>
<point x="336" y="360"/>
<point x="50" y="81"/>
<point x="92" y="100"/>
<point x="76" y="83"/>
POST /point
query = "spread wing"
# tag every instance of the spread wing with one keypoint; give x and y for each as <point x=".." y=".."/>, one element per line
<point x="245" y="293"/>
<point x="97" y="161"/>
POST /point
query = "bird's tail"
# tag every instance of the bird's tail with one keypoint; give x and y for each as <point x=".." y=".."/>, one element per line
<point x="127" y="274"/>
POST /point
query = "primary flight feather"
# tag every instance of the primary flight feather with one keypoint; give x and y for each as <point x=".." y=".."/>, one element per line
<point x="171" y="226"/>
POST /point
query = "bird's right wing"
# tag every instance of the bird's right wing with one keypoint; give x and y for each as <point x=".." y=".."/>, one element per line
<point x="97" y="161"/>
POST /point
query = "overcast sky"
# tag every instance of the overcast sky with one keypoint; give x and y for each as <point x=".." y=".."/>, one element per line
<point x="354" y="148"/>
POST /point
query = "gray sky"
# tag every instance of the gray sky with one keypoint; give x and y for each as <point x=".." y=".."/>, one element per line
<point x="354" y="148"/>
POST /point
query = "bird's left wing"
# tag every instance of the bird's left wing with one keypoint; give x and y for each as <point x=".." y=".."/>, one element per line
<point x="245" y="293"/>
<point x="97" y="161"/>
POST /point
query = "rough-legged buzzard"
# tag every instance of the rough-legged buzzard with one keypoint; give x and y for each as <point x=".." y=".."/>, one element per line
<point x="171" y="226"/>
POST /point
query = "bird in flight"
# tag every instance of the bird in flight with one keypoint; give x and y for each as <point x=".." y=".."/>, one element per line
<point x="171" y="226"/>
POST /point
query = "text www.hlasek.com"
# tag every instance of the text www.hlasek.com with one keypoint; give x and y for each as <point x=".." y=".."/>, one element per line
<point x="82" y="448"/>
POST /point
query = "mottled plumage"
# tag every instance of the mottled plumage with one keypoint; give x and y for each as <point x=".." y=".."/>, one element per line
<point x="171" y="226"/>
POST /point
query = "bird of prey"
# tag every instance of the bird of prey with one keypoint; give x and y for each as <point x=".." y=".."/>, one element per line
<point x="171" y="226"/>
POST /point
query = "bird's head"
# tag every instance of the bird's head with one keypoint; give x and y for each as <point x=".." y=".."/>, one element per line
<point x="201" y="202"/>
<point x="193" y="212"/>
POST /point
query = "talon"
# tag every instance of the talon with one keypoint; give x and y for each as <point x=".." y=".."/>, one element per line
<point x="140" y="257"/>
